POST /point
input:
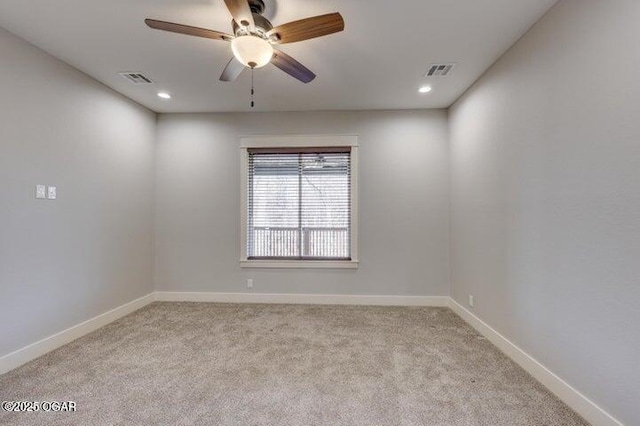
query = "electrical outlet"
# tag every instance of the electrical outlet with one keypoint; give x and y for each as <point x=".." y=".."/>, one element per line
<point x="249" y="283"/>
<point x="471" y="300"/>
<point x="41" y="191"/>
<point x="51" y="192"/>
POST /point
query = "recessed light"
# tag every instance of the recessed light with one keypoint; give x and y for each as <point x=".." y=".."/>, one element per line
<point x="424" y="89"/>
<point x="164" y="95"/>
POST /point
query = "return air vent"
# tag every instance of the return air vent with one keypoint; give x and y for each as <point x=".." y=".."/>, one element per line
<point x="440" y="70"/>
<point x="136" y="78"/>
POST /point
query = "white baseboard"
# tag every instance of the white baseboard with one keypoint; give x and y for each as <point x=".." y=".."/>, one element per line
<point x="34" y="350"/>
<point x="310" y="299"/>
<point x="570" y="396"/>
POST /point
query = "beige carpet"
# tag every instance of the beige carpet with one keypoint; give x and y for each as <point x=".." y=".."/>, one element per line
<point x="221" y="364"/>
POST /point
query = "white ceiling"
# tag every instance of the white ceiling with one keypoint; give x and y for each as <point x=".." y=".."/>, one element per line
<point x="378" y="62"/>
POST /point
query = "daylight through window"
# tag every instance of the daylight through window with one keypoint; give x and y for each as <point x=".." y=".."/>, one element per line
<point x="299" y="204"/>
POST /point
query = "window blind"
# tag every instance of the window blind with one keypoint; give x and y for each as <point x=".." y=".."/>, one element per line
<point x="299" y="204"/>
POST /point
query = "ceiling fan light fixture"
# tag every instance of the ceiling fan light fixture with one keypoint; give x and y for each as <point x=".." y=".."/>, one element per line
<point x="253" y="36"/>
<point x="252" y="51"/>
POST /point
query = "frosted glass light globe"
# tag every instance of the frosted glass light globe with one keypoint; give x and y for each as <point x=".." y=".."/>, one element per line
<point x="252" y="51"/>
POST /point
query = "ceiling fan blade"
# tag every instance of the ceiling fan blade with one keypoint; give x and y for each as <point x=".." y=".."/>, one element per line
<point x="233" y="70"/>
<point x="305" y="29"/>
<point x="188" y="30"/>
<point x="241" y="12"/>
<point x="292" y="67"/>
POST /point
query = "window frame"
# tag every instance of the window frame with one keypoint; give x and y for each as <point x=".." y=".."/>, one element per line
<point x="301" y="142"/>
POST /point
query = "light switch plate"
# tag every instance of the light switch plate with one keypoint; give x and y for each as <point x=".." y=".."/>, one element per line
<point x="51" y="192"/>
<point x="41" y="191"/>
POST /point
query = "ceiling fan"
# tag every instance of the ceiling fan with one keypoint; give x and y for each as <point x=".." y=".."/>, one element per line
<point x="254" y="38"/>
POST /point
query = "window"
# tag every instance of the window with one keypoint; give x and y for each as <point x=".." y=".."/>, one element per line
<point x="299" y="202"/>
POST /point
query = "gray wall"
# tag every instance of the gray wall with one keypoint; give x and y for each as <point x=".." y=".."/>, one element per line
<point x="65" y="261"/>
<point x="546" y="198"/>
<point x="404" y="204"/>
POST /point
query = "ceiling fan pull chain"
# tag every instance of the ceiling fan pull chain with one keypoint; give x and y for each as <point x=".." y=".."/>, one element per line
<point x="252" y="103"/>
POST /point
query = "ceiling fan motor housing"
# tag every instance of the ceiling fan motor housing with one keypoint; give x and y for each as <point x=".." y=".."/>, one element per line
<point x="262" y="26"/>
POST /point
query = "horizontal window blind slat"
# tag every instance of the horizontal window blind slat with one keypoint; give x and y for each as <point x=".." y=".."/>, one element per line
<point x="296" y="151"/>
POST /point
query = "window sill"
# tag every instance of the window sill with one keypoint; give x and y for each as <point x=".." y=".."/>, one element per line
<point x="300" y="264"/>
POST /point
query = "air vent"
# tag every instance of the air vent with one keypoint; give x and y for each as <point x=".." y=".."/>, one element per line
<point x="136" y="78"/>
<point x="440" y="70"/>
